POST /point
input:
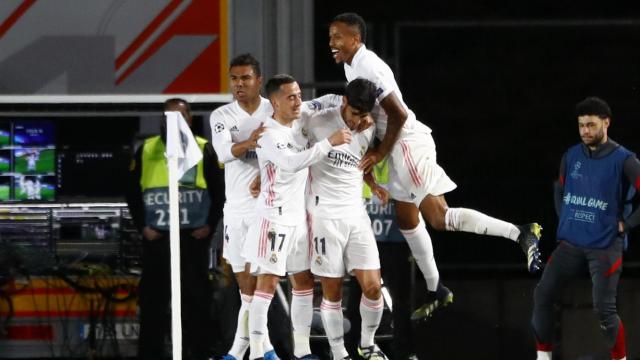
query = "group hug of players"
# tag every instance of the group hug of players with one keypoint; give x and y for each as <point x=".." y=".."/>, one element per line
<point x="294" y="174"/>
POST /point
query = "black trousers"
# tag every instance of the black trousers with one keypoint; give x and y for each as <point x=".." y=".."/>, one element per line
<point x="155" y="297"/>
<point x="567" y="262"/>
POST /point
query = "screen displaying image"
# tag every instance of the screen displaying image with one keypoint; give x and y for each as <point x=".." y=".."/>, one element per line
<point x="5" y="134"/>
<point x="5" y="161"/>
<point x="33" y="133"/>
<point x="34" y="161"/>
<point x="35" y="188"/>
<point x="5" y="188"/>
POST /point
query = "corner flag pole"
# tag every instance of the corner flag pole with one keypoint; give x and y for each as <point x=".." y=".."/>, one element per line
<point x="182" y="154"/>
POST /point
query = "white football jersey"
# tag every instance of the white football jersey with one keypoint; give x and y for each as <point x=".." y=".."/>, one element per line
<point x="284" y="156"/>
<point x="230" y="124"/>
<point x="367" y="65"/>
<point x="336" y="181"/>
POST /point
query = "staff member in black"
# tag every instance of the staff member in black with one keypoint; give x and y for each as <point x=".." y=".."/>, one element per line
<point x="201" y="200"/>
<point x="597" y="178"/>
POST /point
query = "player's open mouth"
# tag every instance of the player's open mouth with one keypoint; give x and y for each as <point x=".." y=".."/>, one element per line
<point x="335" y="53"/>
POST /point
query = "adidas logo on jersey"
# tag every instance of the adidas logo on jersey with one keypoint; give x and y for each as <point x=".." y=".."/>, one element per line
<point x="234" y="128"/>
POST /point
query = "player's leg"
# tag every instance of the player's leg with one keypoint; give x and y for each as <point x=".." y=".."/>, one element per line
<point x="371" y="309"/>
<point x="235" y="234"/>
<point x="265" y="288"/>
<point x="302" y="313"/>
<point x="565" y="262"/>
<point x="332" y="316"/>
<point x="605" y="266"/>
<point x="419" y="241"/>
<point x="363" y="260"/>
<point x="440" y="216"/>
<point x="302" y="281"/>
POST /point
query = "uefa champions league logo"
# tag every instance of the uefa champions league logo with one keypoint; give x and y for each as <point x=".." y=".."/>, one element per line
<point x="575" y="173"/>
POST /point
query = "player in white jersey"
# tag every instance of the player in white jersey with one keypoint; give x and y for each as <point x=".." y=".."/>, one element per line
<point x="341" y="234"/>
<point x="417" y="182"/>
<point x="235" y="129"/>
<point x="277" y="241"/>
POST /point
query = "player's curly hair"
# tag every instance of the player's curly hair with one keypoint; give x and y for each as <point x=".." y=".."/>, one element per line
<point x="353" y="20"/>
<point x="593" y="106"/>
<point x="361" y="94"/>
<point x="244" y="60"/>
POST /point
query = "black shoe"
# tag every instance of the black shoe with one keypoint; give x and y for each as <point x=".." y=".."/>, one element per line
<point x="528" y="240"/>
<point x="372" y="352"/>
<point x="435" y="300"/>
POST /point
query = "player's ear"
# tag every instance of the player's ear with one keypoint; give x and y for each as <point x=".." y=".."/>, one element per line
<point x="344" y="102"/>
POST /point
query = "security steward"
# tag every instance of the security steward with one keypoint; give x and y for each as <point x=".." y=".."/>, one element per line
<point x="201" y="201"/>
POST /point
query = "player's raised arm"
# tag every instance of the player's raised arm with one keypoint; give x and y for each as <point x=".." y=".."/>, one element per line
<point x="278" y="152"/>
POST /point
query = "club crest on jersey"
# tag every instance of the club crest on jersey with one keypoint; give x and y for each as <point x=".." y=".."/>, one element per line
<point x="363" y="149"/>
<point x="218" y="127"/>
<point x="304" y="132"/>
<point x="274" y="258"/>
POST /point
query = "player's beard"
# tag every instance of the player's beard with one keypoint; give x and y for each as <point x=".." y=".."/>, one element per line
<point x="595" y="140"/>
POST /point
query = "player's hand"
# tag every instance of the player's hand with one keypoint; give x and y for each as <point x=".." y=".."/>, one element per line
<point x="365" y="123"/>
<point x="150" y="233"/>
<point x="252" y="141"/>
<point x="621" y="227"/>
<point x="201" y="232"/>
<point x="382" y="194"/>
<point x="369" y="160"/>
<point x="342" y="136"/>
<point x="254" y="187"/>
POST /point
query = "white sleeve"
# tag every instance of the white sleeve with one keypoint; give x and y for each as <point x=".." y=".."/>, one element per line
<point x="323" y="102"/>
<point x="221" y="138"/>
<point x="276" y="151"/>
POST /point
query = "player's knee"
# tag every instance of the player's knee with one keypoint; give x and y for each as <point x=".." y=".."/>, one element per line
<point x="541" y="296"/>
<point x="605" y="311"/>
<point x="437" y="222"/>
<point x="372" y="291"/>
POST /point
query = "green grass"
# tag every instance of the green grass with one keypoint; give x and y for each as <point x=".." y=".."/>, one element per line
<point x="45" y="194"/>
<point x="44" y="164"/>
<point x="4" y="192"/>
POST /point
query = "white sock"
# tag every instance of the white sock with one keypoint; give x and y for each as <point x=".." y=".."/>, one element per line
<point x="544" y="355"/>
<point x="461" y="219"/>
<point x="422" y="250"/>
<point x="241" y="339"/>
<point x="301" y="316"/>
<point x="371" y="313"/>
<point x="332" y="320"/>
<point x="258" y="323"/>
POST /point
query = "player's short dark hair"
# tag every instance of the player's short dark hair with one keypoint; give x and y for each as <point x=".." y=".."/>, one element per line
<point x="244" y="60"/>
<point x="593" y="106"/>
<point x="177" y="100"/>
<point x="353" y="20"/>
<point x="361" y="94"/>
<point x="273" y="84"/>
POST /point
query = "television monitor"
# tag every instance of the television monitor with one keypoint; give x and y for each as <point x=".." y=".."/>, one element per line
<point x="5" y="134"/>
<point x="33" y="133"/>
<point x="34" y="188"/>
<point x="34" y="161"/>
<point x="5" y="188"/>
<point x="5" y="161"/>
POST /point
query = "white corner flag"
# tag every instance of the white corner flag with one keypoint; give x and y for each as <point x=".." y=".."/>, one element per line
<point x="182" y="154"/>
